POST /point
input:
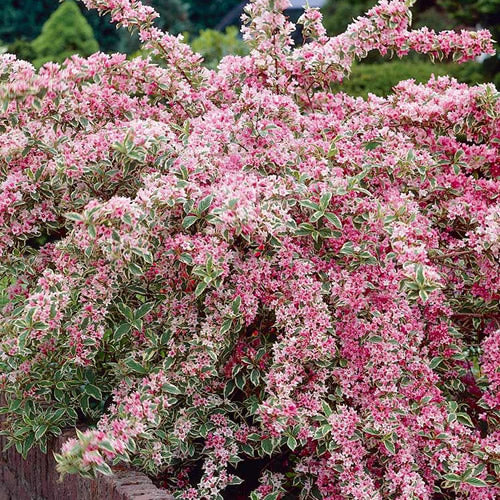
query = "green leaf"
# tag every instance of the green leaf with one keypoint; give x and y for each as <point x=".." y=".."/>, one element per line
<point x="235" y="306"/>
<point x="40" y="431"/>
<point x="171" y="389"/>
<point x="135" y="269"/>
<point x="28" y="443"/>
<point x="235" y="481"/>
<point x="105" y="469"/>
<point x="15" y="404"/>
<point x="267" y="446"/>
<point x="453" y="478"/>
<point x="74" y="217"/>
<point x="229" y="388"/>
<point x="125" y="310"/>
<point x="420" y="276"/>
<point x="200" y="288"/>
<point x="58" y="414"/>
<point x="465" y="419"/>
<point x="254" y="377"/>
<point x="121" y="331"/>
<point x="333" y="219"/>
<point x="135" y="366"/>
<point x="389" y="445"/>
<point x="370" y="146"/>
<point x="205" y="203"/>
<point x="347" y="248"/>
<point x="435" y="362"/>
<point x="291" y="443"/>
<point x="325" y="200"/>
<point x="326" y="408"/>
<point x="106" y="445"/>
<point x="272" y="496"/>
<point x="143" y="310"/>
<point x="165" y="337"/>
<point x="186" y="258"/>
<point x="304" y="229"/>
<point x="188" y="221"/>
<point x="478" y="483"/>
<point x="93" y="391"/>
<point x="240" y="381"/>
<point x="309" y="204"/>
<point x="226" y="326"/>
<point x="372" y="431"/>
<point x="332" y="151"/>
<point x="316" y="216"/>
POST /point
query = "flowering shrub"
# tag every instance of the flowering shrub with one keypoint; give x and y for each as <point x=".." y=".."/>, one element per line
<point x="239" y="274"/>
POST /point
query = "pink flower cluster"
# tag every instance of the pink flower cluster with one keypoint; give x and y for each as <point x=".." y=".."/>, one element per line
<point x="241" y="278"/>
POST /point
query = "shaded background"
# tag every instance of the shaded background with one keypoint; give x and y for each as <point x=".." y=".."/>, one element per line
<point x="46" y="30"/>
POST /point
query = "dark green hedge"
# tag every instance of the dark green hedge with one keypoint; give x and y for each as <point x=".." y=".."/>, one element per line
<point x="379" y="79"/>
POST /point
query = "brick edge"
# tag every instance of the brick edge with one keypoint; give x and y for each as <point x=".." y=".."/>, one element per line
<point x="36" y="478"/>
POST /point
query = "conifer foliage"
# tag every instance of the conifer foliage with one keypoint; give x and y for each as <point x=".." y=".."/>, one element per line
<point x="65" y="33"/>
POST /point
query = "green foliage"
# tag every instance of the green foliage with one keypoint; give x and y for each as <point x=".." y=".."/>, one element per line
<point x="23" y="19"/>
<point x="174" y="15"/>
<point x="436" y="14"/>
<point x="214" y="45"/>
<point x="65" y="33"/>
<point x="108" y="37"/>
<point x="4" y="283"/>
<point x="174" y="18"/>
<point x="484" y="13"/>
<point x="379" y="79"/>
<point x="22" y="49"/>
<point x="467" y="11"/>
<point x="496" y="80"/>
<point x="205" y="14"/>
<point x="338" y="14"/>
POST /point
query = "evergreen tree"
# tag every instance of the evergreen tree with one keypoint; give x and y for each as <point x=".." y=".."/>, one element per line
<point x="205" y="14"/>
<point x="22" y="49"/>
<point x="65" y="33"/>
<point x="22" y="19"/>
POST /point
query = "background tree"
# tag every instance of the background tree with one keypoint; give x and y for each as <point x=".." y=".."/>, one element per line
<point x="65" y="33"/>
<point x="24" y="18"/>
<point x="213" y="45"/>
<point x="205" y="14"/>
<point x="485" y="13"/>
<point x="436" y="14"/>
<point x="174" y="15"/>
<point x="22" y="49"/>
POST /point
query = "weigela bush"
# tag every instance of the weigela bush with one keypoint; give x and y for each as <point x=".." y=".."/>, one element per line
<point x="240" y="274"/>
